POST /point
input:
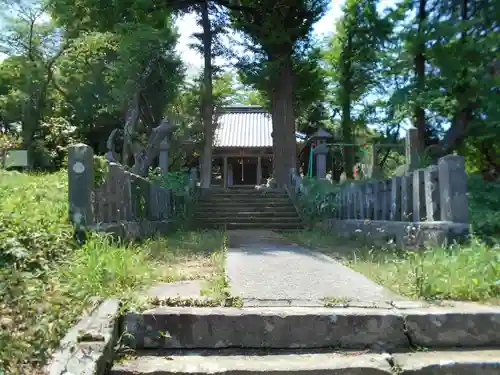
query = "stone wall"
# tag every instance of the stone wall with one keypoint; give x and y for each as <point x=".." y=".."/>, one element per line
<point x="426" y="206"/>
<point x="124" y="204"/>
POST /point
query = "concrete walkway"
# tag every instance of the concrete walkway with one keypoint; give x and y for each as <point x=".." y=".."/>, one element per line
<point x="262" y="265"/>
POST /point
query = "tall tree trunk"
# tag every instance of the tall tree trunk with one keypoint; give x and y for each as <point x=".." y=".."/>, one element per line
<point x="284" y="141"/>
<point x="419" y="112"/>
<point x="207" y="99"/>
<point x="346" y="124"/>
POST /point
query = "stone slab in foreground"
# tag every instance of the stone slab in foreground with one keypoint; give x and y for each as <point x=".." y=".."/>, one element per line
<point x="194" y="363"/>
<point x="178" y="327"/>
<point x="87" y="349"/>
<point x="464" y="325"/>
<point x="472" y="362"/>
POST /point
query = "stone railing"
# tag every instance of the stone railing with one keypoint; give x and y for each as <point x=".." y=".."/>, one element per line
<point x="426" y="206"/>
<point x="125" y="204"/>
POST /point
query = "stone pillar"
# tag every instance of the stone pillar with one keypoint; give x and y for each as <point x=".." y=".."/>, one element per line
<point x="396" y="198"/>
<point x="432" y="193"/>
<point x="355" y="201"/>
<point x="411" y="145"/>
<point x="81" y="185"/>
<point x="361" y="202"/>
<point x="259" y="170"/>
<point x="385" y="210"/>
<point x="321" y="151"/>
<point x="377" y="201"/>
<point x="224" y="173"/>
<point x="370" y="200"/>
<point x="163" y="157"/>
<point x="419" y="213"/>
<point x="350" y="202"/>
<point x="453" y="189"/>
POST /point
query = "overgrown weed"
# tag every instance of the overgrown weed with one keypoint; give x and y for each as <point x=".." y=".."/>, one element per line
<point x="47" y="282"/>
<point x="468" y="272"/>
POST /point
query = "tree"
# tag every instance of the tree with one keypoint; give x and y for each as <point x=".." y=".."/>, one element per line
<point x="352" y="57"/>
<point x="145" y="66"/>
<point x="34" y="45"/>
<point x="275" y="31"/>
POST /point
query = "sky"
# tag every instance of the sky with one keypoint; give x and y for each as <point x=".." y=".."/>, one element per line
<point x="193" y="60"/>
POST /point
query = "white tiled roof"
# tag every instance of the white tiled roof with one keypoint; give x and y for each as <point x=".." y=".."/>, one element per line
<point x="245" y="126"/>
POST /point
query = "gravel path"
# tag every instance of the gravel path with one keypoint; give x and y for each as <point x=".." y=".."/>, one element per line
<point x="262" y="265"/>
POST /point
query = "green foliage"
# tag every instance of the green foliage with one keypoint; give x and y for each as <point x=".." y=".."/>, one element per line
<point x="101" y="168"/>
<point x="46" y="281"/>
<point x="174" y="181"/>
<point x="317" y="202"/>
<point x="484" y="200"/>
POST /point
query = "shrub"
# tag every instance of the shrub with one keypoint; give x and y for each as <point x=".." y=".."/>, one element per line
<point x="318" y="203"/>
<point x="484" y="206"/>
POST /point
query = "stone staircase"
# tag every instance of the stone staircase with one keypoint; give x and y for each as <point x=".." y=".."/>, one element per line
<point x="411" y="340"/>
<point x="247" y="208"/>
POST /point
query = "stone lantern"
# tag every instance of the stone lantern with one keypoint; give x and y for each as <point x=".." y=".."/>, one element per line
<point x="320" y="140"/>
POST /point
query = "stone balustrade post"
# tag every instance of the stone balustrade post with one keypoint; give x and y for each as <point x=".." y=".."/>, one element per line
<point x="81" y="185"/>
<point x="453" y="189"/>
<point x="432" y="193"/>
<point x="419" y="213"/>
<point x="407" y="197"/>
<point x="396" y="204"/>
<point x="385" y="212"/>
<point x="362" y="201"/>
<point x="370" y="199"/>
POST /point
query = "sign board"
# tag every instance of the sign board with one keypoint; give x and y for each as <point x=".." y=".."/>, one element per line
<point x="15" y="158"/>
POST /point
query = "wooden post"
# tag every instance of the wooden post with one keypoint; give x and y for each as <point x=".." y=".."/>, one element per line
<point x="259" y="170"/>
<point x="225" y="176"/>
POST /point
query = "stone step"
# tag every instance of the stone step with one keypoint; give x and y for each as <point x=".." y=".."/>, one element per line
<point x="254" y="225"/>
<point x="252" y="220"/>
<point x="416" y="324"/>
<point x="245" y="200"/>
<point x="239" y="189"/>
<point x="477" y="362"/>
<point x="239" y="204"/>
<point x="245" y="213"/>
<point x="255" y="193"/>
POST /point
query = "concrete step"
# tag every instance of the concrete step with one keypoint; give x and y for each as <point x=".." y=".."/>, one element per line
<point x="408" y="324"/>
<point x="478" y="362"/>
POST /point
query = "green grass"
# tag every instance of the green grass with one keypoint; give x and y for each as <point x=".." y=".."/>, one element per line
<point x="470" y="273"/>
<point x="47" y="282"/>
